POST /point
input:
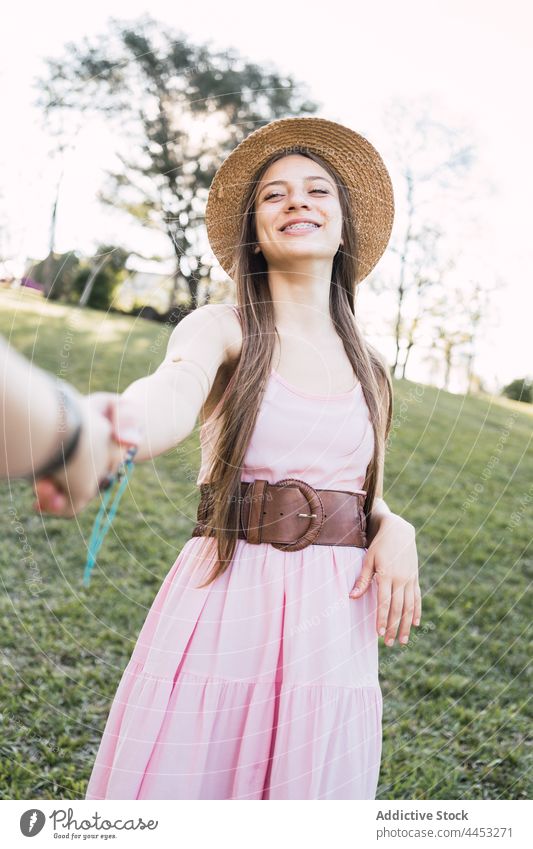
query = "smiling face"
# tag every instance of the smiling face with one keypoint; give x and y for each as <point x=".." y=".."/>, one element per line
<point x="297" y="189"/>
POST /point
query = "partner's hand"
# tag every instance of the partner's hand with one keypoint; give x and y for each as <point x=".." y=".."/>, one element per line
<point x="100" y="451"/>
<point x="392" y="558"/>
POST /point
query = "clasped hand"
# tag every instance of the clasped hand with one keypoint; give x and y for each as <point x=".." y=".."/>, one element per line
<point x="109" y="428"/>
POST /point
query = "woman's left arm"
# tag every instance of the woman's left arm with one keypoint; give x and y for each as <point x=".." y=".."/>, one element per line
<point x="379" y="511"/>
<point x="392" y="558"/>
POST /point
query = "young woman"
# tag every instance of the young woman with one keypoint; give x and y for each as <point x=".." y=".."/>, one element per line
<point x="255" y="675"/>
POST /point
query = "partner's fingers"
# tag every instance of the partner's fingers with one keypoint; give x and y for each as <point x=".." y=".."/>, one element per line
<point x="103" y="402"/>
<point x="124" y="415"/>
<point x="49" y="498"/>
<point x="126" y="422"/>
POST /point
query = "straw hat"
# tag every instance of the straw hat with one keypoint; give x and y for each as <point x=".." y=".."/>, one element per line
<point x="357" y="162"/>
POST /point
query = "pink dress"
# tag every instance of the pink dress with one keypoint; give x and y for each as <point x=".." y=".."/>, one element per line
<point x="263" y="685"/>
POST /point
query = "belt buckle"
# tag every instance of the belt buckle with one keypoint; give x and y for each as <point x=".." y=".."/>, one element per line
<point x="316" y="514"/>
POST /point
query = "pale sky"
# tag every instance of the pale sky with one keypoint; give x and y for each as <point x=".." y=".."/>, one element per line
<point x="471" y="59"/>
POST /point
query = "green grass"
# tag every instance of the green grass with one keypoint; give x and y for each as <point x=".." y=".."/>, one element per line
<point x="455" y="698"/>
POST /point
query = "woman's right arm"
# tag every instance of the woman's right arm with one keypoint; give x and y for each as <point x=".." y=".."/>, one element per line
<point x="169" y="401"/>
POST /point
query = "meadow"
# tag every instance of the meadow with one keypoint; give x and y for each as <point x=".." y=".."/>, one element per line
<point x="456" y="698"/>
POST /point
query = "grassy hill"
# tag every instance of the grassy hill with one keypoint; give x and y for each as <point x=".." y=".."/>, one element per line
<point x="455" y="698"/>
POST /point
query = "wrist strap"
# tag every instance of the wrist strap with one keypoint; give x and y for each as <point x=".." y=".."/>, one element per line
<point x="103" y="520"/>
<point x="67" y="448"/>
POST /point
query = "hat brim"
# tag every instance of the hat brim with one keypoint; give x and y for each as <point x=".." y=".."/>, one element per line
<point x="356" y="160"/>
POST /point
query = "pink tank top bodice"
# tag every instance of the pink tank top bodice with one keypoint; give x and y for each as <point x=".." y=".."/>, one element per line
<point x="325" y="440"/>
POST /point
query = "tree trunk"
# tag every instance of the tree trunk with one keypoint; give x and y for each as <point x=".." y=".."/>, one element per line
<point x="410" y="345"/>
<point x="403" y="263"/>
<point x="448" y="359"/>
<point x="469" y="373"/>
<point x="48" y="269"/>
<point x="87" y="289"/>
<point x="48" y="274"/>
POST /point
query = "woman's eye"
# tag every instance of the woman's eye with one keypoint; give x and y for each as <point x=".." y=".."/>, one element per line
<point x="273" y="194"/>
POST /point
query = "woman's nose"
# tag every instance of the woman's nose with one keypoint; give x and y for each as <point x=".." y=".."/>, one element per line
<point x="296" y="199"/>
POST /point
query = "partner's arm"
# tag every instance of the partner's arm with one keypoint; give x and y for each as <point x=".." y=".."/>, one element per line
<point x="31" y="417"/>
<point x="52" y="434"/>
<point x="45" y="422"/>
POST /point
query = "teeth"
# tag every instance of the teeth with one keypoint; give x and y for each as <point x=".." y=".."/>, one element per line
<point x="301" y="226"/>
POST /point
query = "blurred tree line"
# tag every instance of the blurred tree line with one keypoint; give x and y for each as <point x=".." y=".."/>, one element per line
<point x="80" y="280"/>
<point x="520" y="390"/>
<point x="182" y="108"/>
<point x="163" y="93"/>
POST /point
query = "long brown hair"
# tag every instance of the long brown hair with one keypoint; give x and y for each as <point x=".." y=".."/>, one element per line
<point x="247" y="385"/>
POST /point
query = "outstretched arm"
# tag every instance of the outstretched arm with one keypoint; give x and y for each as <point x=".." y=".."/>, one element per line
<point x="156" y="413"/>
<point x="169" y="401"/>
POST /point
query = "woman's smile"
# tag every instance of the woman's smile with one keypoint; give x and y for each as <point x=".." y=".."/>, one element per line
<point x="299" y="229"/>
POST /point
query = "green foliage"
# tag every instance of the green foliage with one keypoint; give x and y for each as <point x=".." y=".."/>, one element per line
<point x="57" y="273"/>
<point x="105" y="272"/>
<point x="455" y="717"/>
<point x="103" y="290"/>
<point x="519" y="390"/>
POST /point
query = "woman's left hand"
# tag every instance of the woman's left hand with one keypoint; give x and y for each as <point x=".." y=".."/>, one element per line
<point x="393" y="558"/>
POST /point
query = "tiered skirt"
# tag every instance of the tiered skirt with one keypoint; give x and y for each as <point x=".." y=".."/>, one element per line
<point x="262" y="685"/>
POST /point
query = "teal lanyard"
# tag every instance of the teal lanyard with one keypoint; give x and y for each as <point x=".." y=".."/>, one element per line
<point x="104" y="519"/>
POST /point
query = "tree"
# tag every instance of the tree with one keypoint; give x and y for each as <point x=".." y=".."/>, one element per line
<point x="63" y="135"/>
<point x="98" y="280"/>
<point x="478" y="311"/>
<point x="182" y="108"/>
<point x="520" y="389"/>
<point x="417" y="300"/>
<point x="459" y="309"/>
<point x="432" y="161"/>
<point x="6" y="253"/>
<point x="57" y="273"/>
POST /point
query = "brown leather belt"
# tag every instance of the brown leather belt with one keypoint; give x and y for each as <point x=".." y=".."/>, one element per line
<point x="291" y="514"/>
